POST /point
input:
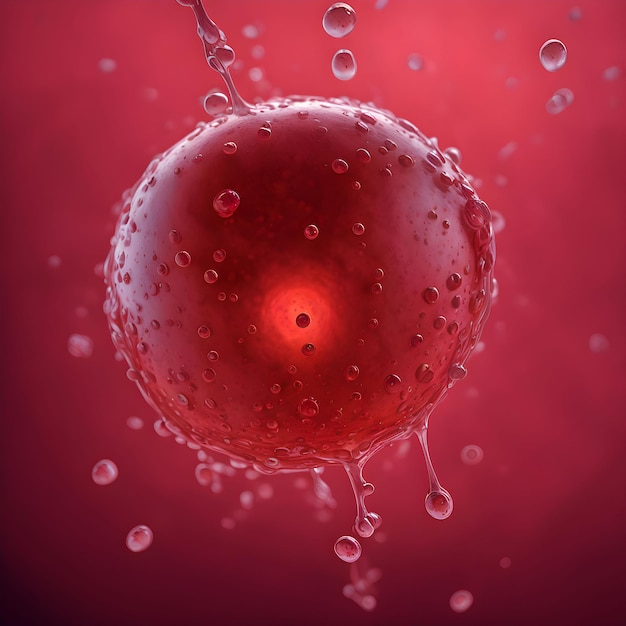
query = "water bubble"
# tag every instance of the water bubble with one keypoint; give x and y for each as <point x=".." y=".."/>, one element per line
<point x="348" y="549"/>
<point x="358" y="229"/>
<point x="393" y="383"/>
<point x="134" y="422"/>
<point x="457" y="372"/>
<point x="461" y="600"/>
<point x="303" y="320"/>
<point x="553" y="55"/>
<point x="559" y="101"/>
<point x="611" y="73"/>
<point x="416" y="340"/>
<point x="352" y="373"/>
<point x="598" y="343"/>
<point x="230" y="147"/>
<point x="472" y="454"/>
<point x="454" y="281"/>
<point x="265" y="132"/>
<point x="182" y="258"/>
<point x="340" y="166"/>
<point x="80" y="346"/>
<point x="139" y="539"/>
<point x="204" y="474"/>
<point x="343" y="65"/>
<point x="210" y="276"/>
<point x="161" y="429"/>
<point x="209" y="375"/>
<point x="226" y="202"/>
<point x="505" y="562"/>
<point x="339" y="20"/>
<point x="308" y="349"/>
<point x="107" y="65"/>
<point x="215" y="103"/>
<point x="54" y="261"/>
<point x="311" y="231"/>
<point x="104" y="472"/>
<point x="415" y="62"/>
<point x="406" y="160"/>
<point x="308" y="407"/>
<point x="213" y="355"/>
<point x="439" y="504"/>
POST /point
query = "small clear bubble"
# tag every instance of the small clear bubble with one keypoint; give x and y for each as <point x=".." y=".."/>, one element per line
<point x="311" y="231"/>
<point x="139" y="538"/>
<point x="80" y="346"/>
<point x="472" y="454"/>
<point x="559" y="101"/>
<point x="553" y="55"/>
<point x="104" y="472"/>
<point x="358" y="229"/>
<point x="461" y="600"/>
<point x="343" y="65"/>
<point x="226" y="202"/>
<point x="348" y="549"/>
<point x="210" y="276"/>
<point x="182" y="258"/>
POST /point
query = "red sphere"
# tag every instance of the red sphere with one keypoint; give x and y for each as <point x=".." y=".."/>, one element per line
<point x="299" y="285"/>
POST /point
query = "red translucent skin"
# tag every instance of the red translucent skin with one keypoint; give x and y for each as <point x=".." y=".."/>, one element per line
<point x="381" y="300"/>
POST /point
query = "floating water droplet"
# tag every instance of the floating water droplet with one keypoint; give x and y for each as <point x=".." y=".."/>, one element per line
<point x="80" y="346"/>
<point x="343" y="65"/>
<point x="415" y="62"/>
<point x="559" y="101"/>
<point x="182" y="258"/>
<point x="215" y="103"/>
<point x="472" y="454"/>
<point x="339" y="20"/>
<point x="348" y="549"/>
<point x="210" y="276"/>
<point x="553" y="55"/>
<point x="104" y="472"/>
<point x="311" y="231"/>
<point x="226" y="202"/>
<point x="461" y="600"/>
<point x="303" y="320"/>
<point x="139" y="539"/>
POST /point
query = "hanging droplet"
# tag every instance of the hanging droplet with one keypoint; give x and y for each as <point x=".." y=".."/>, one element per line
<point x="439" y="504"/>
<point x="343" y="64"/>
<point x="215" y="103"/>
<point x="348" y="549"/>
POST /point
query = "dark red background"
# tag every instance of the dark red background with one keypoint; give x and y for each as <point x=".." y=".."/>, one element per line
<point x="548" y="411"/>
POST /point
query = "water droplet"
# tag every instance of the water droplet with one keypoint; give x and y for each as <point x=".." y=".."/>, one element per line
<point x="431" y="295"/>
<point x="343" y="65"/>
<point x="252" y="329"/>
<point x="182" y="258"/>
<point x="134" y="422"/>
<point x="393" y="383"/>
<point x="311" y="231"/>
<point x="226" y="202"/>
<point x="406" y="160"/>
<point x="559" y="101"/>
<point x="139" y="539"/>
<point x="308" y="349"/>
<point x="308" y="407"/>
<point x="209" y="375"/>
<point x="339" y="166"/>
<point x="505" y="562"/>
<point x="204" y="332"/>
<point x="424" y="374"/>
<point x="461" y="600"/>
<point x="230" y="147"/>
<point x="163" y="269"/>
<point x="104" y="472"/>
<point x="352" y="373"/>
<point x="210" y="276"/>
<point x="454" y="154"/>
<point x="265" y="132"/>
<point x="553" y="55"/>
<point x="80" y="346"/>
<point x="339" y="20"/>
<point x="213" y="355"/>
<point x="599" y="343"/>
<point x="219" y="255"/>
<point x="215" y="103"/>
<point x="377" y="288"/>
<point x="416" y="340"/>
<point x="348" y="549"/>
<point x="363" y="155"/>
<point x="107" y="65"/>
<point x="415" y="62"/>
<point x="439" y="504"/>
<point x="457" y="372"/>
<point x="454" y="281"/>
<point x="303" y="320"/>
<point x="472" y="454"/>
<point x="358" y="229"/>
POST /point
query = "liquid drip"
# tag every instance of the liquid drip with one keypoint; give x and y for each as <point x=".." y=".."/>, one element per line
<point x="438" y="502"/>
<point x="365" y="523"/>
<point x="321" y="489"/>
<point x="219" y="56"/>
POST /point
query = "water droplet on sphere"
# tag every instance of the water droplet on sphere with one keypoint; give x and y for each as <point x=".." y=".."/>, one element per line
<point x="553" y="55"/>
<point x="358" y="229"/>
<point x="139" y="539"/>
<point x="431" y="295"/>
<point x="104" y="472"/>
<point x="226" y="202"/>
<point x="303" y="320"/>
<point x="343" y="65"/>
<point x="393" y="383"/>
<point x="230" y="147"/>
<point x="339" y="20"/>
<point x="308" y="349"/>
<point x="340" y="166"/>
<point x="348" y="549"/>
<point x="311" y="231"/>
<point x="352" y="372"/>
<point x="182" y="258"/>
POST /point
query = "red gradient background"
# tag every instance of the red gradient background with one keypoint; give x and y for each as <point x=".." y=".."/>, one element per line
<point x="547" y="410"/>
